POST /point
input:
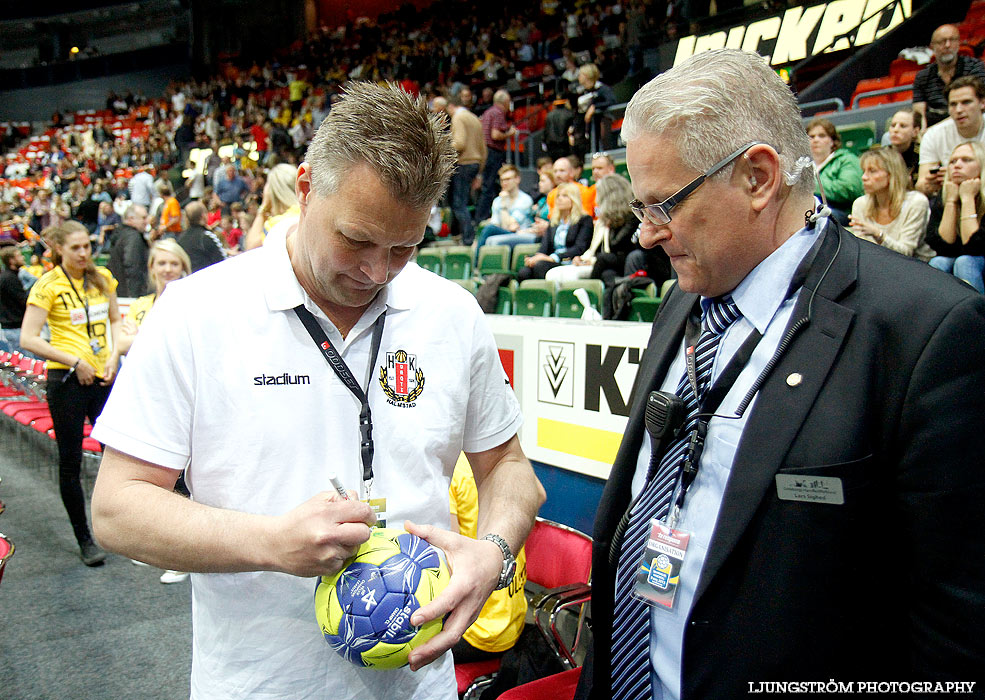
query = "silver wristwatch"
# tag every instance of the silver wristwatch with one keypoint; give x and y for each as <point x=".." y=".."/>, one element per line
<point x="509" y="561"/>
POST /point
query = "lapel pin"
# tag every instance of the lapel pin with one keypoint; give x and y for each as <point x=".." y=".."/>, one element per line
<point x="794" y="379"/>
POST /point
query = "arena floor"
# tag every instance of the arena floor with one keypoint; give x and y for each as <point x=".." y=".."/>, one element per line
<point x="69" y="631"/>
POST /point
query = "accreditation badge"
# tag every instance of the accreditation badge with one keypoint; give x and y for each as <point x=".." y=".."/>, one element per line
<point x="659" y="573"/>
<point x="379" y="510"/>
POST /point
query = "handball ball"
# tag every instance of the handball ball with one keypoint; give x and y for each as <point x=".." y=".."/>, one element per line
<point x="364" y="610"/>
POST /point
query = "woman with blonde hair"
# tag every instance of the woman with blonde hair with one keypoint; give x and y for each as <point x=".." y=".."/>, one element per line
<point x="279" y="210"/>
<point x="568" y="236"/>
<point x="612" y="239"/>
<point x="887" y="214"/>
<point x="78" y="302"/>
<point x="166" y="262"/>
<point x="955" y="229"/>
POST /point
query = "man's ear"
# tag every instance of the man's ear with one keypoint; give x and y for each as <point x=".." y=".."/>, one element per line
<point x="302" y="185"/>
<point x="760" y="175"/>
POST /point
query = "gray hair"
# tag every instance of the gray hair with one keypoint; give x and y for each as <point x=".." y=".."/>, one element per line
<point x="407" y="146"/>
<point x="715" y="102"/>
<point x="131" y="211"/>
<point x="613" y="195"/>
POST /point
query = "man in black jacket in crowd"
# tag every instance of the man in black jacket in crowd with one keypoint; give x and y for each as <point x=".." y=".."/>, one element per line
<point x="13" y="299"/>
<point x="128" y="254"/>
<point x="203" y="247"/>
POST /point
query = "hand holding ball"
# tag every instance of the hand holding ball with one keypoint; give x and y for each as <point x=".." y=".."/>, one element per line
<point x="364" y="610"/>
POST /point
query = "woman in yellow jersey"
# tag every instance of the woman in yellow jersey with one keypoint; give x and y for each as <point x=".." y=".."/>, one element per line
<point x="166" y="262"/>
<point x="78" y="301"/>
<point x="501" y="619"/>
<point x="279" y="209"/>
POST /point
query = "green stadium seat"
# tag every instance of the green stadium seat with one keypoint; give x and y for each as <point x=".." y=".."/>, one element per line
<point x="665" y="287"/>
<point x="520" y="253"/>
<point x="568" y="305"/>
<point x="458" y="263"/>
<point x="534" y="298"/>
<point x="493" y="259"/>
<point x="644" y="309"/>
<point x="470" y="285"/>
<point x="504" y="299"/>
<point x="857" y="138"/>
<point x="431" y="259"/>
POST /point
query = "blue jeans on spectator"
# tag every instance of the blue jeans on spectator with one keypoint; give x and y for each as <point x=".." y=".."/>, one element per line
<point x="510" y="239"/>
<point x="965" y="267"/>
<point x="492" y="231"/>
<point x="10" y="340"/>
<point x="490" y="183"/>
<point x="461" y="185"/>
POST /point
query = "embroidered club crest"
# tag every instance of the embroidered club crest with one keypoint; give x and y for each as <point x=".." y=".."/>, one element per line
<point x="401" y="379"/>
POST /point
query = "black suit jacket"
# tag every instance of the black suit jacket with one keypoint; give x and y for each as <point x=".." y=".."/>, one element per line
<point x="203" y="246"/>
<point x="128" y="261"/>
<point x="888" y="586"/>
<point x="575" y="243"/>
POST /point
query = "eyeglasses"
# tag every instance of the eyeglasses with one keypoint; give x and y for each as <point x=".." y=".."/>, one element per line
<point x="659" y="214"/>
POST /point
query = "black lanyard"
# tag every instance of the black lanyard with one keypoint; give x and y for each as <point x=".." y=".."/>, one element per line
<point x="335" y="361"/>
<point x="719" y="390"/>
<point x="83" y="299"/>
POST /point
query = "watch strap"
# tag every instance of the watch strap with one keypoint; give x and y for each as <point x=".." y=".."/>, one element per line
<point x="509" y="561"/>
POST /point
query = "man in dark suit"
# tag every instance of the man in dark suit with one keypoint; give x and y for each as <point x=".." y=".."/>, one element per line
<point x="833" y="518"/>
<point x="203" y="247"/>
<point x="128" y="253"/>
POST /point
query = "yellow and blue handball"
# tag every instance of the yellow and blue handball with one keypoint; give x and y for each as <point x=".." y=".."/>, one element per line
<point x="364" y="610"/>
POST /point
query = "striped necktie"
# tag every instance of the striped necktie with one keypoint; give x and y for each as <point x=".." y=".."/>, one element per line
<point x="631" y="616"/>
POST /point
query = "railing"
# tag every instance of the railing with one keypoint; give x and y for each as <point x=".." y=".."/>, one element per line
<point x="875" y="93"/>
<point x="820" y="105"/>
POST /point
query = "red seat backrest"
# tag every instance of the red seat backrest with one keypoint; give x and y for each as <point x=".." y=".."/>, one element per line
<point x="558" y="555"/>
<point x="907" y="78"/>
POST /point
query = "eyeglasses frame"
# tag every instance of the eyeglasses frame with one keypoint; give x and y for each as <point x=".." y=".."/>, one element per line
<point x="650" y="212"/>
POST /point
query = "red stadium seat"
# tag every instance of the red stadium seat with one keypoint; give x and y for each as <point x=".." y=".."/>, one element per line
<point x="42" y="425"/>
<point x="907" y="77"/>
<point x="902" y="65"/>
<point x="467" y="674"/>
<point x="560" y="686"/>
<point x="870" y="84"/>
<point x="6" y="551"/>
<point x="30" y="415"/>
<point x="558" y="555"/>
<point x="559" y="561"/>
<point x="12" y="407"/>
<point x="902" y="96"/>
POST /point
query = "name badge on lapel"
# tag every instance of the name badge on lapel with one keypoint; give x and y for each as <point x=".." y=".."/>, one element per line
<point x="810" y="489"/>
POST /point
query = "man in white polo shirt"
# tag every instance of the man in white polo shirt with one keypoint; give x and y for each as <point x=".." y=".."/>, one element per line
<point x="965" y="103"/>
<point x="241" y="394"/>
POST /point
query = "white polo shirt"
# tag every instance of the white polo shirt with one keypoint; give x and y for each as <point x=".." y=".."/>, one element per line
<point x="224" y="380"/>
